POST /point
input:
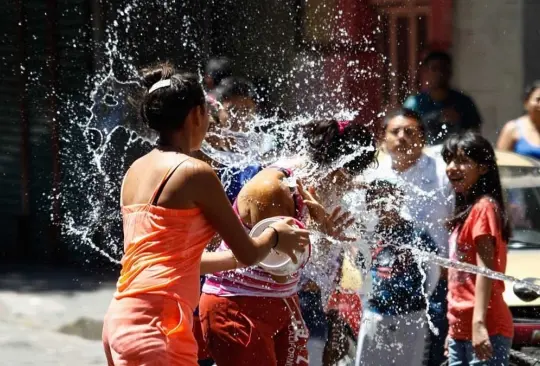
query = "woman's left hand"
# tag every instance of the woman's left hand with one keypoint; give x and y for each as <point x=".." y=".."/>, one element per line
<point x="480" y="341"/>
<point x="333" y="224"/>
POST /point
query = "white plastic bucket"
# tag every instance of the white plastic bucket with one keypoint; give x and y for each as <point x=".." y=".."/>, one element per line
<point x="277" y="263"/>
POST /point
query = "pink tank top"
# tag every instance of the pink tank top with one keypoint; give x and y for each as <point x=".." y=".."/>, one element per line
<point x="254" y="281"/>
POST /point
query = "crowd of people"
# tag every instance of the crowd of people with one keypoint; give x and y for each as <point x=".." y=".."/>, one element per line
<point x="185" y="233"/>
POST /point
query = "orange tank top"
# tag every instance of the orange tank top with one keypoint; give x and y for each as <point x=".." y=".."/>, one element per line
<point x="163" y="249"/>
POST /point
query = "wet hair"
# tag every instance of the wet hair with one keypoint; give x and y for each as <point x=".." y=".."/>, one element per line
<point x="234" y="87"/>
<point x="406" y="113"/>
<point x="374" y="188"/>
<point x="328" y="144"/>
<point x="530" y="89"/>
<point x="218" y="68"/>
<point x="438" y="56"/>
<point x="479" y="150"/>
<point x="166" y="108"/>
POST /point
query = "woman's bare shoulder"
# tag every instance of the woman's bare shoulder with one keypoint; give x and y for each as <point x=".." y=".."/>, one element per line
<point x="511" y="126"/>
<point x="198" y="167"/>
<point x="159" y="164"/>
<point x="267" y="187"/>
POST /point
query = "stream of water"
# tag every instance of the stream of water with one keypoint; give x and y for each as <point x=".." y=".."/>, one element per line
<point x="105" y="144"/>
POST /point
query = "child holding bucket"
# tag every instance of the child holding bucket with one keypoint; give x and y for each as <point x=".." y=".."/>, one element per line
<point x="250" y="316"/>
<point x="481" y="326"/>
<point x="172" y="204"/>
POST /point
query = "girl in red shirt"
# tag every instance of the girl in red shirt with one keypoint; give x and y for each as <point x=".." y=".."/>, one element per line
<point x="481" y="327"/>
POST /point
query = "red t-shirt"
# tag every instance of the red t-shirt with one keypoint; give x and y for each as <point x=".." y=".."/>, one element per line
<point x="482" y="220"/>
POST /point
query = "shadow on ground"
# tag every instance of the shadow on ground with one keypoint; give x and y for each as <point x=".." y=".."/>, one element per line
<point x="26" y="278"/>
<point x="85" y="328"/>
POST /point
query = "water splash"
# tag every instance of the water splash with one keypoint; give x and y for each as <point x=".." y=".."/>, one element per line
<point x="110" y="142"/>
<point x="483" y="271"/>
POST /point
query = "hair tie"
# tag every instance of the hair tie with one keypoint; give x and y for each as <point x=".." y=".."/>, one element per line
<point x="160" y="84"/>
<point x="341" y="125"/>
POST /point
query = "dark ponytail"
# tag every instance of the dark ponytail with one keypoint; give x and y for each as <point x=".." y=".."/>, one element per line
<point x="530" y="89"/>
<point x="329" y="140"/>
<point x="166" y="108"/>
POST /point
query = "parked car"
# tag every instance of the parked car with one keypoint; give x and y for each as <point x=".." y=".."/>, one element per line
<point x="521" y="180"/>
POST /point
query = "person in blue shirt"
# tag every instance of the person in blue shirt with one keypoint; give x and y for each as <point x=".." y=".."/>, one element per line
<point x="444" y="110"/>
<point x="237" y="94"/>
<point x="394" y="322"/>
<point x="232" y="106"/>
<point x="522" y="135"/>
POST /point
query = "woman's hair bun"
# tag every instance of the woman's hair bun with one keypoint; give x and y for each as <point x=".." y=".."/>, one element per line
<point x="321" y="134"/>
<point x="167" y="107"/>
<point x="152" y="74"/>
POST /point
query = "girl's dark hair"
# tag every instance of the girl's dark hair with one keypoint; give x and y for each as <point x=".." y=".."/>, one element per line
<point x="479" y="150"/>
<point x="328" y="143"/>
<point x="531" y="88"/>
<point x="166" y="108"/>
<point x="376" y="186"/>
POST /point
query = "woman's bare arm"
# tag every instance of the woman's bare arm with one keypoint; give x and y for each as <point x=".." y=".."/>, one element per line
<point x="507" y="137"/>
<point x="212" y="262"/>
<point x="208" y="194"/>
<point x="485" y="258"/>
<point x="206" y="191"/>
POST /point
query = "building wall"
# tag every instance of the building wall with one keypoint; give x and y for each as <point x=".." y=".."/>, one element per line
<point x="489" y="58"/>
<point x="531" y="36"/>
<point x="259" y="37"/>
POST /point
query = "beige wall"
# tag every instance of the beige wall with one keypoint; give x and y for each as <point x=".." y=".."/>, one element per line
<point x="488" y="57"/>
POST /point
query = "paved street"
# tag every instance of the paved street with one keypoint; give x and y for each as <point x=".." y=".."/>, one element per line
<point x="24" y="345"/>
<point x="36" y="325"/>
<point x="55" y="319"/>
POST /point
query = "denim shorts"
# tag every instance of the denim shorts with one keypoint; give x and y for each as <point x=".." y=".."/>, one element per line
<point x="461" y="353"/>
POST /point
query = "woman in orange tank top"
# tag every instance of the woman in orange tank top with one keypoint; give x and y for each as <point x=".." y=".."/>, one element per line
<point x="172" y="205"/>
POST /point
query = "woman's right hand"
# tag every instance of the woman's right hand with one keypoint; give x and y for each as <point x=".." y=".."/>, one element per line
<point x="289" y="238"/>
<point x="480" y="341"/>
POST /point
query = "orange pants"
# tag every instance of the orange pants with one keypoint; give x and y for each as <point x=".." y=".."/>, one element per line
<point x="252" y="331"/>
<point x="136" y="332"/>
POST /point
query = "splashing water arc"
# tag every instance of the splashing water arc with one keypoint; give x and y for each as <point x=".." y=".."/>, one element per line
<point x="100" y="144"/>
<point x="104" y="134"/>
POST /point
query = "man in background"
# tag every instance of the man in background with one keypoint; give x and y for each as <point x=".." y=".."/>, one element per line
<point x="238" y="102"/>
<point x="443" y="110"/>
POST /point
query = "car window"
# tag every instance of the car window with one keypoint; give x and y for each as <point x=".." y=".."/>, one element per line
<point x="522" y="189"/>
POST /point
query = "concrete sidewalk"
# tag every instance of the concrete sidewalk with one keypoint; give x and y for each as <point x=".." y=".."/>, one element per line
<point x="52" y="318"/>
